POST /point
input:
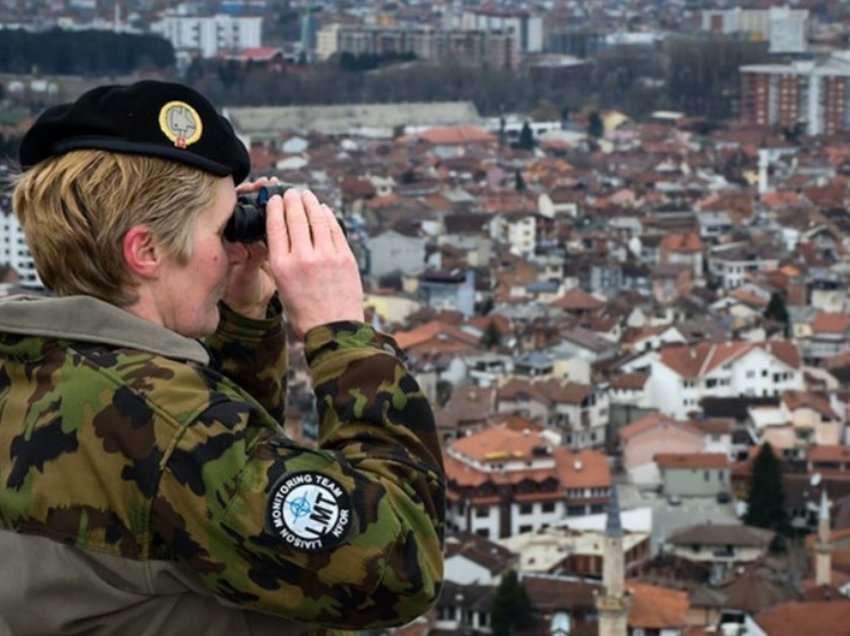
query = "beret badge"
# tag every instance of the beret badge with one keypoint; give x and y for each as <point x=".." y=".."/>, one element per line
<point x="180" y="123"/>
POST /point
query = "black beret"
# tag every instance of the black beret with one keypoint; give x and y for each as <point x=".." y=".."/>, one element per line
<point x="158" y="119"/>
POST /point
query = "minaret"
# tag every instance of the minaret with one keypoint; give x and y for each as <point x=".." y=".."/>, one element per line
<point x="823" y="547"/>
<point x="613" y="602"/>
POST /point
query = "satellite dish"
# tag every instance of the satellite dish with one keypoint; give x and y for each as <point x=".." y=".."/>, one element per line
<point x="815" y="479"/>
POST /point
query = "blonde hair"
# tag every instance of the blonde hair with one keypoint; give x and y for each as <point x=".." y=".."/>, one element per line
<point x="76" y="208"/>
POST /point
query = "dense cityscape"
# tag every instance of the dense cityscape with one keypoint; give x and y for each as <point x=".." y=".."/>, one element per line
<point x="609" y="237"/>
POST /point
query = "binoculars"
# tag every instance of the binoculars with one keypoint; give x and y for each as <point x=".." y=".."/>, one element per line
<point x="247" y="224"/>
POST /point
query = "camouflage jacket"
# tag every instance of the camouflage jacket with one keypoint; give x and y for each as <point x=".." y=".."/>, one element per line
<point x="147" y="487"/>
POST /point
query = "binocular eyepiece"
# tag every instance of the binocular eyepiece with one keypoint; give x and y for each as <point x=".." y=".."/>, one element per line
<point x="247" y="224"/>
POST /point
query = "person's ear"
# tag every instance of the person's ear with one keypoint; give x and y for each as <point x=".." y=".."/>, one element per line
<point x="141" y="252"/>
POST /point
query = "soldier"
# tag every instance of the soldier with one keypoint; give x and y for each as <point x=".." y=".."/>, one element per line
<point x="146" y="483"/>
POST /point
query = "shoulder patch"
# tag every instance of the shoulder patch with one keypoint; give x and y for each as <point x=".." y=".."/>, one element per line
<point x="309" y="511"/>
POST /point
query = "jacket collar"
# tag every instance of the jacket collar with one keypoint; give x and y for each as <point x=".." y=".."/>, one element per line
<point x="88" y="319"/>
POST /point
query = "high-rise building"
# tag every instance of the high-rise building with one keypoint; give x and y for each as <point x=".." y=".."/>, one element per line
<point x="14" y="250"/>
<point x="208" y="35"/>
<point x="786" y="30"/>
<point x="814" y="95"/>
<point x="527" y="29"/>
<point x="474" y="48"/>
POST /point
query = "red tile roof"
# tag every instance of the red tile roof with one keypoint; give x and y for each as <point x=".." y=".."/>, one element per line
<point x="827" y="322"/>
<point x="807" y="400"/>
<point x="807" y="619"/>
<point x="630" y="381"/>
<point x="651" y="421"/>
<point x="502" y="443"/>
<point x="583" y="469"/>
<point x="829" y="453"/>
<point x="684" y="243"/>
<point x="656" y="607"/>
<point x="577" y="300"/>
<point x="692" y="460"/>
<point x="699" y="360"/>
<point x="431" y="331"/>
<point x="456" y="135"/>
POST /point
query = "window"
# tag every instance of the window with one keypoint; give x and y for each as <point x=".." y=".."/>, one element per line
<point x="482" y="512"/>
<point x="574" y="511"/>
<point x="706" y="475"/>
<point x="525" y="528"/>
<point x="548" y="506"/>
<point x="525" y="509"/>
<point x="483" y="532"/>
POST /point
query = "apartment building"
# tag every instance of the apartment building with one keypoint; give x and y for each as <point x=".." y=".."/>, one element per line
<point x="813" y="94"/>
<point x="504" y="481"/>
<point x="526" y="29"/>
<point x="785" y="29"/>
<point x="209" y="35"/>
<point x="471" y="47"/>
<point x="15" y="252"/>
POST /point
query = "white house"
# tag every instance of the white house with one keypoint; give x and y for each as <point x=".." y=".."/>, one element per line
<point x="519" y="231"/>
<point x="681" y="376"/>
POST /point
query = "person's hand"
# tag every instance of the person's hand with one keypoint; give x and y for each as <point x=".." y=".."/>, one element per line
<point x="313" y="266"/>
<point x="250" y="285"/>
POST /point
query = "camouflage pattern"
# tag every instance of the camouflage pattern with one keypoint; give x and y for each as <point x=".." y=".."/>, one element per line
<point x="119" y="450"/>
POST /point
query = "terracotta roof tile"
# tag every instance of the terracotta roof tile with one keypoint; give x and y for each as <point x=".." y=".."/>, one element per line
<point x="829" y="453"/>
<point x="807" y="619"/>
<point x="652" y="421"/>
<point x="630" y="381"/>
<point x="583" y="469"/>
<point x="722" y="534"/>
<point x="692" y="460"/>
<point x="500" y="443"/>
<point x="577" y="300"/>
<point x="828" y="322"/>
<point x="455" y="135"/>
<point x="431" y="331"/>
<point x="687" y="242"/>
<point x="807" y="399"/>
<point x="699" y="360"/>
<point x="656" y="607"/>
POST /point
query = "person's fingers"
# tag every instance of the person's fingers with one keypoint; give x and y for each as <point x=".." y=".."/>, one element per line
<point x="319" y="225"/>
<point x="277" y="235"/>
<point x="297" y="223"/>
<point x="253" y="186"/>
<point x="335" y="231"/>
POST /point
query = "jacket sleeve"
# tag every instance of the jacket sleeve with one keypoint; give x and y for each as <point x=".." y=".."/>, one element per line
<point x="348" y="535"/>
<point x="253" y="354"/>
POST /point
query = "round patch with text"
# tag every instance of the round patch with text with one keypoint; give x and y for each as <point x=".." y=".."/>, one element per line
<point x="309" y="511"/>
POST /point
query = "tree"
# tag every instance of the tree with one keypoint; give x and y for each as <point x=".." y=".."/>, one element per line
<point x="766" y="500"/>
<point x="519" y="182"/>
<point x="491" y="337"/>
<point x="595" y="126"/>
<point x="512" y="609"/>
<point x="777" y="311"/>
<point x="526" y="138"/>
